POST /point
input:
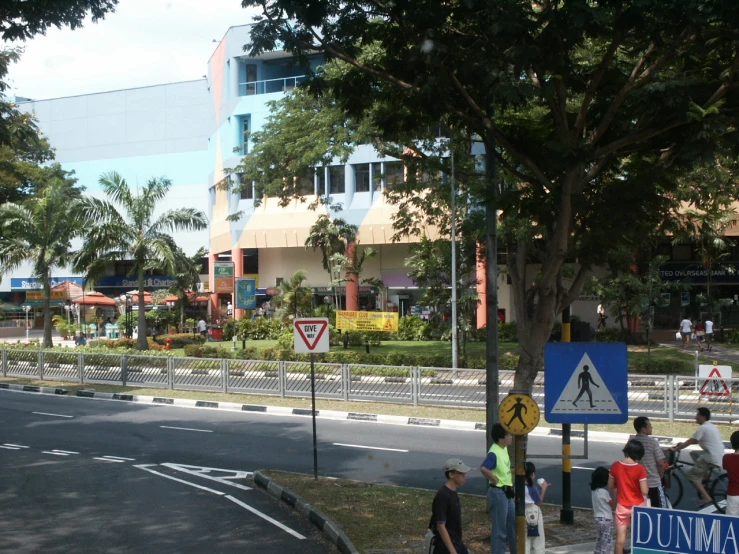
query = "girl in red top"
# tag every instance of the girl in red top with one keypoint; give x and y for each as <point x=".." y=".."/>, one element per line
<point x="731" y="465"/>
<point x="629" y="479"/>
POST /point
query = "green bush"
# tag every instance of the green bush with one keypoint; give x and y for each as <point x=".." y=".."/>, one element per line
<point x="229" y="329"/>
<point x="205" y="351"/>
<point x="179" y="340"/>
<point x="412" y="328"/>
<point x="507" y="332"/>
<point x="659" y="366"/>
<point x="260" y="328"/>
<point x="611" y="334"/>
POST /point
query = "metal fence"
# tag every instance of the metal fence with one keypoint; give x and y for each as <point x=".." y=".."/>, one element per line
<point x="658" y="396"/>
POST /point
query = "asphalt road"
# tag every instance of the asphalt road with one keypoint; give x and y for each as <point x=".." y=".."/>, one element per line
<point x="135" y="506"/>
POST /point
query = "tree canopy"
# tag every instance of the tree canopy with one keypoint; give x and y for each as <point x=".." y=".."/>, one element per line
<point x="21" y="19"/>
<point x="590" y="109"/>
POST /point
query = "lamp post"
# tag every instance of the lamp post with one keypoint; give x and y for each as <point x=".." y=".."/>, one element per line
<point x="128" y="311"/>
<point x="26" y="308"/>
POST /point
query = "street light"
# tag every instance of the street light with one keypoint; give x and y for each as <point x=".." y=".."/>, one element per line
<point x="26" y="308"/>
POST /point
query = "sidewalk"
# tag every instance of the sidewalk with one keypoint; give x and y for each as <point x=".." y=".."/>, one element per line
<point x="718" y="352"/>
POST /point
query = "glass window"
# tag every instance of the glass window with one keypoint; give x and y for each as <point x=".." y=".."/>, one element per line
<point x="394" y="173"/>
<point x="247" y="189"/>
<point x="244" y="134"/>
<point x="321" y="180"/>
<point x="304" y="185"/>
<point x="377" y="176"/>
<point x="361" y="178"/>
<point x="336" y="179"/>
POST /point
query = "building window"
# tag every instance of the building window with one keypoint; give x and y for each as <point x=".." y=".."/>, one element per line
<point x="304" y="185"/>
<point x="361" y="178"/>
<point x="247" y="189"/>
<point x="681" y="253"/>
<point x="247" y="79"/>
<point x="321" y="180"/>
<point x="377" y="176"/>
<point x="394" y="174"/>
<point x="336" y="179"/>
<point x="251" y="261"/>
<point x="244" y="135"/>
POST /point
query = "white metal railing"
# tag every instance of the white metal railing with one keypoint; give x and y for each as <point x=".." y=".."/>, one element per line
<point x="270" y="86"/>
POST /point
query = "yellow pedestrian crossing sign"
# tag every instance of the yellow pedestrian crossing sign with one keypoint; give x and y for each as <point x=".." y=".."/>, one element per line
<point x="518" y="413"/>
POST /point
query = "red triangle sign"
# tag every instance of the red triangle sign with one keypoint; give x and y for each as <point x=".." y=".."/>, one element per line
<point x="310" y="331"/>
<point x="717" y="386"/>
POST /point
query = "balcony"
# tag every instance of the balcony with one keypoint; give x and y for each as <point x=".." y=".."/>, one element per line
<point x="270" y="86"/>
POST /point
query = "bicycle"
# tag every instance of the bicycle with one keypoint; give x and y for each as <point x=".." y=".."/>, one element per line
<point x="716" y="483"/>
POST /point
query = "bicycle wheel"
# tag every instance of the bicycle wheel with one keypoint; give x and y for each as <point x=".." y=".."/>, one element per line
<point x="674" y="487"/>
<point x="718" y="492"/>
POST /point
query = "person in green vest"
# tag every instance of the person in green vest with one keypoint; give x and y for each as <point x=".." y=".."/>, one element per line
<point x="497" y="470"/>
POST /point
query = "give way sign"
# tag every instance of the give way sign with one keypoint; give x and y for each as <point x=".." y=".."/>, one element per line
<point x="311" y="335"/>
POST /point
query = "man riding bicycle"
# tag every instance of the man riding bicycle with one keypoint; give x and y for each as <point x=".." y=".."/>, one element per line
<point x="708" y="437"/>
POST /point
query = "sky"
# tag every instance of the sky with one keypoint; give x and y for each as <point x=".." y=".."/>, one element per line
<point x="144" y="42"/>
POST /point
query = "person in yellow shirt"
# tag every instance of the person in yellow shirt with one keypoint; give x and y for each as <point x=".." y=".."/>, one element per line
<point x="497" y="470"/>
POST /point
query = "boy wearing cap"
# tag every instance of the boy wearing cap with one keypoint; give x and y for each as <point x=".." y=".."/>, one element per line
<point x="446" y="512"/>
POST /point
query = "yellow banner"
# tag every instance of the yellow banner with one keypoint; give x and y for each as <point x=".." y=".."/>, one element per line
<point x="367" y="321"/>
<point x="56" y="295"/>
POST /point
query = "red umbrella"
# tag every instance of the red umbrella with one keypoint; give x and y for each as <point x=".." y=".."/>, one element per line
<point x="94" y="299"/>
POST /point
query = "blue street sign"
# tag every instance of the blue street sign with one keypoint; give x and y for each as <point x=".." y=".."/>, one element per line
<point x="586" y="382"/>
<point x="246" y="294"/>
<point x="656" y="530"/>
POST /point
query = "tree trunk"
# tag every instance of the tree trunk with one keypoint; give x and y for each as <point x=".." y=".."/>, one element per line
<point x="47" y="342"/>
<point x="142" y="343"/>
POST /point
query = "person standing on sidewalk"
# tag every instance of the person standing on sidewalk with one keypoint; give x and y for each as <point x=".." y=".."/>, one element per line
<point x="686" y="327"/>
<point x="709" y="333"/>
<point x="497" y="470"/>
<point x="653" y="461"/>
<point x="446" y="513"/>
<point x="629" y="479"/>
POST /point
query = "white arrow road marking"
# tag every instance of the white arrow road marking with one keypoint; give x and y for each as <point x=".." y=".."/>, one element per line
<point x="266" y="517"/>
<point x="64" y="451"/>
<point x="201" y="472"/>
<point x="146" y="467"/>
<point x="185" y="429"/>
<point x="52" y="415"/>
<point x="16" y="445"/>
<point x="10" y="447"/>
<point x="109" y="460"/>
<point x="369" y="447"/>
<point x="54" y="453"/>
<point x="120" y="459"/>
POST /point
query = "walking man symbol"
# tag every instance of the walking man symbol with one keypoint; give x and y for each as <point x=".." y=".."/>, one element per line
<point x="516" y="409"/>
<point x="583" y="382"/>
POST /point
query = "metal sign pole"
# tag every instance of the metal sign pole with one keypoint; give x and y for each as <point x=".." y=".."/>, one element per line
<point x="566" y="514"/>
<point x="520" y="487"/>
<point x="313" y="402"/>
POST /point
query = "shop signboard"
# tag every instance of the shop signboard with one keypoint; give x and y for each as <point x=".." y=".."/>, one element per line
<point x="366" y="321"/>
<point x="223" y="275"/>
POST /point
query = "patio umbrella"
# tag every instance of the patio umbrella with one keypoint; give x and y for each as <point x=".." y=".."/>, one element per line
<point x="94" y="299"/>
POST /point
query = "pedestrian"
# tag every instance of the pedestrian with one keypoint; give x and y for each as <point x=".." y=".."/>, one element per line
<point x="230" y="310"/>
<point x="700" y="334"/>
<point x="709" y="333"/>
<point x="534" y="518"/>
<point x="81" y="340"/>
<point x="731" y="465"/>
<point x="628" y="479"/>
<point x="445" y="527"/>
<point x="202" y="327"/>
<point x="603" y="506"/>
<point x="601" y="312"/>
<point x="686" y="327"/>
<point x="708" y="437"/>
<point x="497" y="470"/>
<point x="653" y="461"/>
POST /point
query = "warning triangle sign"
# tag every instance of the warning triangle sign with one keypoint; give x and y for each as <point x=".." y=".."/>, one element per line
<point x="388" y="325"/>
<point x="310" y="331"/>
<point x="715" y="385"/>
<point x="585" y="392"/>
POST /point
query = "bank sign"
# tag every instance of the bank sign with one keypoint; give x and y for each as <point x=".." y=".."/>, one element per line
<point x="31" y="283"/>
<point x="657" y="530"/>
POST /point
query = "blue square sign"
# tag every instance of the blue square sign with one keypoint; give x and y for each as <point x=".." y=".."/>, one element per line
<point x="586" y="382"/>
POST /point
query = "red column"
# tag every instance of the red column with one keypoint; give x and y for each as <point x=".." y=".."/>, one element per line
<point x="237" y="256"/>
<point x="352" y="286"/>
<point x="212" y="258"/>
<point x="481" y="294"/>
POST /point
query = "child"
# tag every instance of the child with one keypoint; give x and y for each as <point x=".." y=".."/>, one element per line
<point x="731" y="465"/>
<point x="603" y="506"/>
<point x="629" y="479"/>
<point x="533" y="512"/>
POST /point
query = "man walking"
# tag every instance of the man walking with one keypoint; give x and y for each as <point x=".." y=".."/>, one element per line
<point x="708" y="437"/>
<point x="497" y="470"/>
<point x="653" y="461"/>
<point x="709" y="332"/>
<point x="446" y="512"/>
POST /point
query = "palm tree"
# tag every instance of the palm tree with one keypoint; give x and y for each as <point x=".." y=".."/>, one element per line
<point x="40" y="233"/>
<point x="330" y="236"/>
<point x="133" y="233"/>
<point x="186" y="278"/>
<point x="294" y="299"/>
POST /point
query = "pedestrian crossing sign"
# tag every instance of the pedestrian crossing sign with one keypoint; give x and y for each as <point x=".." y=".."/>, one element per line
<point x="586" y="383"/>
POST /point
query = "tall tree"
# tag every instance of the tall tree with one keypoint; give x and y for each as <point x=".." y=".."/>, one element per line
<point x="588" y="109"/>
<point x="294" y="300"/>
<point x="186" y="279"/>
<point x="123" y="227"/>
<point x="331" y="237"/>
<point x="21" y="20"/>
<point x="41" y="233"/>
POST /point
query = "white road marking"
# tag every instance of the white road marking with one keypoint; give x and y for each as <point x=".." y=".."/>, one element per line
<point x="266" y="517"/>
<point x="585" y="468"/>
<point x="369" y="447"/>
<point x="185" y="429"/>
<point x="10" y="447"/>
<point x="65" y="451"/>
<point x="108" y="460"/>
<point x="16" y="445"/>
<point x="146" y="467"/>
<point x="52" y="415"/>
<point x="54" y="453"/>
<point x="192" y="470"/>
<point x="120" y="458"/>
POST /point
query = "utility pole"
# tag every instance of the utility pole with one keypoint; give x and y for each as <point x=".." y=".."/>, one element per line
<point x="455" y="343"/>
<point x="492" y="391"/>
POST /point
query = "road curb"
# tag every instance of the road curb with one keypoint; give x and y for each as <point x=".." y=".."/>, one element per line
<point x="332" y="531"/>
<point x="599" y="436"/>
